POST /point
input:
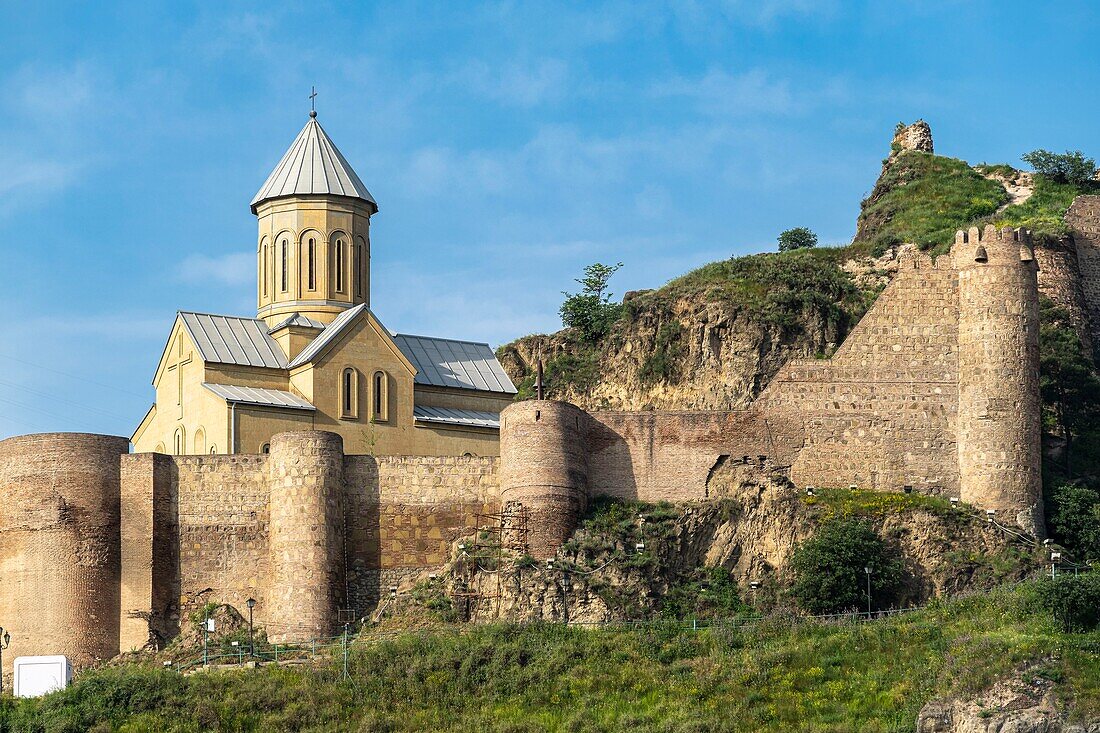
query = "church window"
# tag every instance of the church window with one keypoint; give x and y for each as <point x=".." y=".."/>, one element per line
<point x="359" y="268"/>
<point x="159" y="448"/>
<point x="263" y="268"/>
<point x="213" y="450"/>
<point x="381" y="396"/>
<point x="200" y="442"/>
<point x="312" y="256"/>
<point x="349" y="388"/>
<point x="179" y="447"/>
<point x="283" y="256"/>
<point x="339" y="265"/>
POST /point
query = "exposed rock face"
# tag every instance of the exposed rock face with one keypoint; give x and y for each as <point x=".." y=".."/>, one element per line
<point x="1018" y="705"/>
<point x="751" y="527"/>
<point x="917" y="136"/>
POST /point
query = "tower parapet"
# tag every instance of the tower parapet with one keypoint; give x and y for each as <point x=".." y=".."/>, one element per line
<point x="60" y="546"/>
<point x="999" y="427"/>
<point x="544" y="465"/>
<point x="306" y="474"/>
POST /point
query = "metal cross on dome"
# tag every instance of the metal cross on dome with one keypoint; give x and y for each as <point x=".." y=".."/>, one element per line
<point x="313" y="101"/>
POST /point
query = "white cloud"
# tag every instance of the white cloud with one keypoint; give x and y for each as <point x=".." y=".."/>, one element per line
<point x="518" y="84"/>
<point x="235" y="268"/>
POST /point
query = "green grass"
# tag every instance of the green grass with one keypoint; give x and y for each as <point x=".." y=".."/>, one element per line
<point x="777" y="676"/>
<point x="923" y="199"/>
<point x="864" y="503"/>
<point x="1044" y="212"/>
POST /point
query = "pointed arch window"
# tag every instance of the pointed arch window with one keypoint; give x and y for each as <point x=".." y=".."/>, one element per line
<point x="349" y="394"/>
<point x="263" y="268"/>
<point x="312" y="257"/>
<point x="284" y="256"/>
<point x="339" y="256"/>
<point x="380" y="394"/>
<point x="200" y="442"/>
<point x="179" y="446"/>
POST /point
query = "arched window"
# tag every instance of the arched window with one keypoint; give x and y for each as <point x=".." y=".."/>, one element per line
<point x="358" y="268"/>
<point x="380" y="407"/>
<point x="200" y="441"/>
<point x="213" y="450"/>
<point x="339" y="257"/>
<point x="284" y="257"/>
<point x="159" y="448"/>
<point x="179" y="446"/>
<point x="349" y="394"/>
<point x="312" y="257"/>
<point x="265" y="448"/>
<point x="263" y="268"/>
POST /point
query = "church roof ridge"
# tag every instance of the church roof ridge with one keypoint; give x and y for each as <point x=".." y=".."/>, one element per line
<point x="313" y="166"/>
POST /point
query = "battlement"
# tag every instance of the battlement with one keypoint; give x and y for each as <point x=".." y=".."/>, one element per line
<point x="979" y="245"/>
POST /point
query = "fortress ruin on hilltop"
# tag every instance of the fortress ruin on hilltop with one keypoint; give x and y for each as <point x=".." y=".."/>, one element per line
<point x="103" y="551"/>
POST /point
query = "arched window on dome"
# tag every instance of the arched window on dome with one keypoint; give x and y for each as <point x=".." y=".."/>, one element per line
<point x="284" y="256"/>
<point x="311" y="256"/>
<point x="358" y="268"/>
<point x="263" y="268"/>
<point x="339" y="258"/>
<point x="380" y="394"/>
<point x="349" y="394"/>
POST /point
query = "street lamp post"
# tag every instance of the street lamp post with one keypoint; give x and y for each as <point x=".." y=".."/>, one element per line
<point x="867" y="572"/>
<point x="251" y="603"/>
<point x="5" y="642"/>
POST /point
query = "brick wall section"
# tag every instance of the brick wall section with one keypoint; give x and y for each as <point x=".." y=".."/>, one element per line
<point x="149" y="518"/>
<point x="881" y="412"/>
<point x="999" y="410"/>
<point x="545" y="459"/>
<point x="1060" y="280"/>
<point x="406" y="512"/>
<point x="668" y="456"/>
<point x="1083" y="219"/>
<point x="59" y="545"/>
<point x="307" y="584"/>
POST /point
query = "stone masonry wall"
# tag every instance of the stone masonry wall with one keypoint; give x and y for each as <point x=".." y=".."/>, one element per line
<point x="59" y="546"/>
<point x="881" y="413"/>
<point x="1083" y="220"/>
<point x="1060" y="280"/>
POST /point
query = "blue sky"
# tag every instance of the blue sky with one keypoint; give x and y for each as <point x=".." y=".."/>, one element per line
<point x="508" y="145"/>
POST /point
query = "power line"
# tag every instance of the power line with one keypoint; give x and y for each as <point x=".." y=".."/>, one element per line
<point x="72" y="376"/>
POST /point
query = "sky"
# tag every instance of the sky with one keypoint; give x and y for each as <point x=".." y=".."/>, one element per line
<point x="507" y="144"/>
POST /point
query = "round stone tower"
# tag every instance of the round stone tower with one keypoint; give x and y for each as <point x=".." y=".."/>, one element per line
<point x="307" y="588"/>
<point x="60" y="564"/>
<point x="544" y="469"/>
<point x="999" y="405"/>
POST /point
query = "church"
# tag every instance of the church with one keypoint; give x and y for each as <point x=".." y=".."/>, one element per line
<point x="316" y="357"/>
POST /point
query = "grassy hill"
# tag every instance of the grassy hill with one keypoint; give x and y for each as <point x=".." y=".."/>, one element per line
<point x="777" y="675"/>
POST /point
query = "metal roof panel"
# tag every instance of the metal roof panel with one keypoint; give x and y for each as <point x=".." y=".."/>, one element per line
<point x="258" y="396"/>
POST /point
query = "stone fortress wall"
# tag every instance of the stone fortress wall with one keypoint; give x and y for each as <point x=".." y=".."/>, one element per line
<point x="103" y="551"/>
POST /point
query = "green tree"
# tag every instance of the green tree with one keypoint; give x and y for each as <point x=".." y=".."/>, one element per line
<point x="1068" y="167"/>
<point x="1073" y="516"/>
<point x="1068" y="385"/>
<point x="829" y="569"/>
<point x="591" y="311"/>
<point x="797" y="238"/>
<point x="1074" y="601"/>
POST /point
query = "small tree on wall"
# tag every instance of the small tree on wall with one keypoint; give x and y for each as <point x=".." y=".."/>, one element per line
<point x="797" y="238"/>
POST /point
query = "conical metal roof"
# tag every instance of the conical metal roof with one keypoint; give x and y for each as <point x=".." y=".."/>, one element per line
<point x="312" y="166"/>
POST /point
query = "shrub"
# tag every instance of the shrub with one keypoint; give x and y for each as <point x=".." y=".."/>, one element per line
<point x="1074" y="601"/>
<point x="797" y="238"/>
<point x="1068" y="167"/>
<point x="829" y="569"/>
<point x="1073" y="514"/>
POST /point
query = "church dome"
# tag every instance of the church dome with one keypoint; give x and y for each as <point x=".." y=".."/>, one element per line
<point x="313" y="166"/>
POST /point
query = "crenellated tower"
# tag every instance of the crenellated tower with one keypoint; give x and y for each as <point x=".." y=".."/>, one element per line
<point x="999" y="406"/>
<point x="313" y="248"/>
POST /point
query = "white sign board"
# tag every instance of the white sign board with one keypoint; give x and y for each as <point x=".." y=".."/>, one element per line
<point x="37" y="676"/>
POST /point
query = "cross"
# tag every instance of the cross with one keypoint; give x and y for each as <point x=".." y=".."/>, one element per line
<point x="178" y="367"/>
<point x="313" y="100"/>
